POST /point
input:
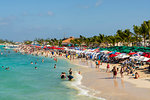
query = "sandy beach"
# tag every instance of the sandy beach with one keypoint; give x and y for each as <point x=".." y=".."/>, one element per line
<point x="109" y="88"/>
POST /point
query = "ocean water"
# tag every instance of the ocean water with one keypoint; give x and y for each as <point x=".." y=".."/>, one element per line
<point x="23" y="82"/>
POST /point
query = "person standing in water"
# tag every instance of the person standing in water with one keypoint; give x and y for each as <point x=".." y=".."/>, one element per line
<point x="108" y="68"/>
<point x="114" y="72"/>
<point x="70" y="71"/>
<point x="121" y="72"/>
<point x="31" y="62"/>
<point x="55" y="66"/>
<point x="42" y="60"/>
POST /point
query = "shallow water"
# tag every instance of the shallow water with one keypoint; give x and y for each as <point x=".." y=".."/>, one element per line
<point x="23" y="82"/>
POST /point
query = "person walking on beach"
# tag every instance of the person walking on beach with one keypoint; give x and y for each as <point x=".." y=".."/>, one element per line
<point x="108" y="68"/>
<point x="97" y="65"/>
<point x="114" y="72"/>
<point x="121" y="72"/>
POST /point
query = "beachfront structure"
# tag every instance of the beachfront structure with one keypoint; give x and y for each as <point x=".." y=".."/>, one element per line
<point x="67" y="41"/>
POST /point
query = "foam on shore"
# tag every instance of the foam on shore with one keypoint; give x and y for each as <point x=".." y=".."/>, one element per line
<point x="83" y="90"/>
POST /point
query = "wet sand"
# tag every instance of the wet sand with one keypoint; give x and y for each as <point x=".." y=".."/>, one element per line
<point x="109" y="88"/>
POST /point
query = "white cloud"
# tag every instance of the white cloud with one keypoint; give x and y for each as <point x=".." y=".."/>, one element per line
<point x="98" y="3"/>
<point x="50" y="13"/>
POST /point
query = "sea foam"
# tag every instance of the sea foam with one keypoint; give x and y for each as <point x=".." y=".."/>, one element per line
<point x="83" y="90"/>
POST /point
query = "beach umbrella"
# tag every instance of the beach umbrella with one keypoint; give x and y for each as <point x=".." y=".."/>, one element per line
<point x="122" y="56"/>
<point x="132" y="53"/>
<point x="148" y="61"/>
<point x="145" y="59"/>
<point x="142" y="58"/>
<point x="117" y="53"/>
<point x="38" y="46"/>
<point x="125" y="56"/>
<point x="112" y="55"/>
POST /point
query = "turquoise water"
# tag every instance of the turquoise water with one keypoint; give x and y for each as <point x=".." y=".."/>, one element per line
<point x="23" y="82"/>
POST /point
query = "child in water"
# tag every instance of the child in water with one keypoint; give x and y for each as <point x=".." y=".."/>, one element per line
<point x="63" y="75"/>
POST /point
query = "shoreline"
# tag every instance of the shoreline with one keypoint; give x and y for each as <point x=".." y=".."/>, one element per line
<point x="121" y="89"/>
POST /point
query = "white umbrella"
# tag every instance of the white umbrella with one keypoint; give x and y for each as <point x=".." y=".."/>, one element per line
<point x="135" y="57"/>
<point x="141" y="58"/>
<point x="125" y="56"/>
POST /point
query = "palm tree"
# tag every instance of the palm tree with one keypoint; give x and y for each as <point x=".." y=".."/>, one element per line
<point x="111" y="40"/>
<point x="87" y="41"/>
<point x="27" y="42"/>
<point x="39" y="41"/>
<point x="101" y="39"/>
<point x="120" y="36"/>
<point x="60" y="43"/>
<point x="148" y="29"/>
<point x="137" y="32"/>
<point x="127" y="36"/>
<point x="144" y="29"/>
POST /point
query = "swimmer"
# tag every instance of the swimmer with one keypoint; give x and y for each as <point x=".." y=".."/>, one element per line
<point x="56" y="59"/>
<point x="79" y="72"/>
<point x="70" y="77"/>
<point x="7" y="68"/>
<point x="35" y="67"/>
<point x="31" y="62"/>
<point x="63" y="75"/>
<point x="2" y="66"/>
<point x="35" y="62"/>
<point x="55" y="66"/>
<point x="42" y="60"/>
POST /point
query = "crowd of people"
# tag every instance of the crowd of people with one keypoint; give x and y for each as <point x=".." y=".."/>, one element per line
<point x="127" y="65"/>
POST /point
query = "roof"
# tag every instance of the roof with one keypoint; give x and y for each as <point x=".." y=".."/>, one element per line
<point x="68" y="40"/>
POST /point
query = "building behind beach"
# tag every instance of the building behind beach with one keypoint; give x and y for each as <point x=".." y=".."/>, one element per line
<point x="67" y="41"/>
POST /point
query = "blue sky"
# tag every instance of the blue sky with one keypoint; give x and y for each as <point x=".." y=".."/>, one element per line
<point x="29" y="19"/>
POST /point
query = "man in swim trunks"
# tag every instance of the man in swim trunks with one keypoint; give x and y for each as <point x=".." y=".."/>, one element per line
<point x="70" y="77"/>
